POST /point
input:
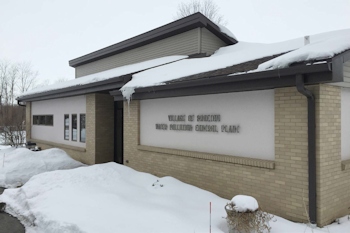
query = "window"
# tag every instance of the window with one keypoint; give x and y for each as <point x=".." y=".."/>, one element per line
<point x="74" y="127"/>
<point x="82" y="128"/>
<point x="66" y="127"/>
<point x="49" y="120"/>
<point x="43" y="120"/>
<point x="35" y="120"/>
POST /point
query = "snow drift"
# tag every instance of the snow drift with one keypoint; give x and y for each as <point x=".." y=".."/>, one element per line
<point x="17" y="166"/>
<point x="113" y="198"/>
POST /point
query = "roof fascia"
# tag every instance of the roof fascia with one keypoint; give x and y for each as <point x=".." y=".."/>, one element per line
<point x="338" y="64"/>
<point x="105" y="85"/>
<point x="182" y="25"/>
<point x="313" y="74"/>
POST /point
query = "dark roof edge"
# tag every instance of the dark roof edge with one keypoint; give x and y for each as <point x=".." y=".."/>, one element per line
<point x="337" y="64"/>
<point x="179" y="26"/>
<point x="319" y="73"/>
<point x="109" y="84"/>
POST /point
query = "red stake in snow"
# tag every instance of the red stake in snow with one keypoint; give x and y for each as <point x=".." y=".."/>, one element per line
<point x="210" y="217"/>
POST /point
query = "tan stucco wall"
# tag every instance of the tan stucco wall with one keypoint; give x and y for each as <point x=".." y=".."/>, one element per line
<point x="281" y="189"/>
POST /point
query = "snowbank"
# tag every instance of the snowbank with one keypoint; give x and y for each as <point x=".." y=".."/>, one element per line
<point x="17" y="166"/>
<point x="113" y="198"/>
<point x="2" y="148"/>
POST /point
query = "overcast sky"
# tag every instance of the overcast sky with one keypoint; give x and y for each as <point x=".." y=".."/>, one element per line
<point x="49" y="33"/>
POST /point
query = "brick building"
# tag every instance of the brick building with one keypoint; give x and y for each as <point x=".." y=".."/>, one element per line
<point x="226" y="122"/>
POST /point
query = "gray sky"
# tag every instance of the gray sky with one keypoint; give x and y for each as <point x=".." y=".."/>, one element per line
<point x="49" y="33"/>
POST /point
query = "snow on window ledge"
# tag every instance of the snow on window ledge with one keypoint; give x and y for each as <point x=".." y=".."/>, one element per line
<point x="268" y="164"/>
<point x="345" y="165"/>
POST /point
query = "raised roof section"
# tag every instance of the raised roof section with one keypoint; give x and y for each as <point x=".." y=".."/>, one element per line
<point x="196" y="20"/>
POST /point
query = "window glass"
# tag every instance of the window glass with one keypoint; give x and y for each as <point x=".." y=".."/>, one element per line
<point x="49" y="120"/>
<point x="74" y="127"/>
<point x="41" y="120"/>
<point x="82" y="128"/>
<point x="66" y="127"/>
<point x="35" y="120"/>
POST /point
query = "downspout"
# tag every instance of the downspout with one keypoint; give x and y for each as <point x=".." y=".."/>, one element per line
<point x="19" y="103"/>
<point x="311" y="109"/>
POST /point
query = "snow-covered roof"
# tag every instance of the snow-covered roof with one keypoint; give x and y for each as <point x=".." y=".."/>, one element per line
<point x="273" y="56"/>
<point x="105" y="75"/>
<point x="321" y="46"/>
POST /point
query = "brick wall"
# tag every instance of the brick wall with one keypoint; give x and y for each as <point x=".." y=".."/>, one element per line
<point x="333" y="183"/>
<point x="282" y="191"/>
<point x="99" y="128"/>
<point x="91" y="127"/>
<point x="104" y="131"/>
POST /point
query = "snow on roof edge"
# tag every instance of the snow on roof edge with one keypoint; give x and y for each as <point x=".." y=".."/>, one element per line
<point x="105" y="75"/>
<point x="323" y="45"/>
<point x="226" y="31"/>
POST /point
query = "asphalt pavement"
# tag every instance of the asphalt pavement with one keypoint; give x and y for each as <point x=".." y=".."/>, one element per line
<point x="9" y="224"/>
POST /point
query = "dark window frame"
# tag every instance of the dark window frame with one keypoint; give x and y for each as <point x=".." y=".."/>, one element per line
<point x="80" y="127"/>
<point x="76" y="125"/>
<point x="64" y="127"/>
<point x="45" y="120"/>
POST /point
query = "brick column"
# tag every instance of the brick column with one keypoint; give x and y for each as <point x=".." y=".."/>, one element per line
<point x="333" y="184"/>
<point x="28" y="120"/>
<point x="104" y="129"/>
<point x="99" y="128"/>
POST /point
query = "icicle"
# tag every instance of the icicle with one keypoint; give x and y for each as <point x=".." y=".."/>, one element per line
<point x="127" y="94"/>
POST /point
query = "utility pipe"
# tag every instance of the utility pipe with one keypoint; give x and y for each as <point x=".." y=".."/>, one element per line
<point x="311" y="109"/>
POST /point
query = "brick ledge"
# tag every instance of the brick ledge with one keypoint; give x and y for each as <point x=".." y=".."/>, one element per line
<point x="345" y="165"/>
<point x="268" y="164"/>
<point x="58" y="145"/>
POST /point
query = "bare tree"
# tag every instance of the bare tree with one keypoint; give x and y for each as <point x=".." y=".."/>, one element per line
<point x="26" y="77"/>
<point x="15" y="78"/>
<point x="4" y="67"/>
<point x="11" y="82"/>
<point x="206" y="7"/>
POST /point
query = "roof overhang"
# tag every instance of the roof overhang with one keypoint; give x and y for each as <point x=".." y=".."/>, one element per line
<point x="338" y="64"/>
<point x="313" y="74"/>
<point x="102" y="86"/>
<point x="330" y="71"/>
<point x="182" y="25"/>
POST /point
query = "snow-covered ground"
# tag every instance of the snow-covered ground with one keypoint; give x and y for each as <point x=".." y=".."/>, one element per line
<point x="3" y="147"/>
<point x="115" y="198"/>
<point x="17" y="166"/>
